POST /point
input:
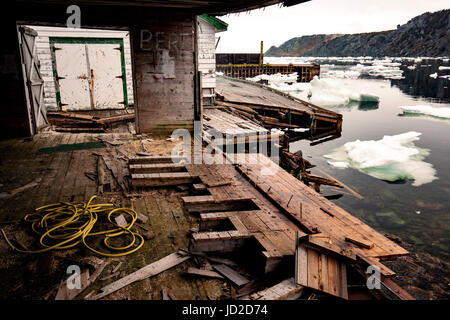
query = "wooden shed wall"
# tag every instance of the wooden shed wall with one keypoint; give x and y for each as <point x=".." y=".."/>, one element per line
<point x="207" y="59"/>
<point x="164" y="74"/>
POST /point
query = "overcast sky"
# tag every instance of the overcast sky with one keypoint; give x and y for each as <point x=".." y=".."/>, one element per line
<point x="277" y="24"/>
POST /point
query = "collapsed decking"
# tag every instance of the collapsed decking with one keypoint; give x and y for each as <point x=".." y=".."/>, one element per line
<point x="274" y="108"/>
<point x="241" y="208"/>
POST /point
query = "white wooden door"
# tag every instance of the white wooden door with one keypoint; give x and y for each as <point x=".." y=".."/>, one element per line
<point x="106" y="75"/>
<point x="34" y="85"/>
<point x="89" y="76"/>
<point x="73" y="76"/>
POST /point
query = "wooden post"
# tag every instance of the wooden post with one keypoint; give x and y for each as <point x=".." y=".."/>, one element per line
<point x="261" y="56"/>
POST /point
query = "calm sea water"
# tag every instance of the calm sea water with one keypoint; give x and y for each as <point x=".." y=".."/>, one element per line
<point x="419" y="215"/>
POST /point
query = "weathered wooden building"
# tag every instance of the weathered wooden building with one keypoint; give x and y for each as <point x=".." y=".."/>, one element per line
<point x="208" y="26"/>
<point x="163" y="51"/>
<point x="78" y="64"/>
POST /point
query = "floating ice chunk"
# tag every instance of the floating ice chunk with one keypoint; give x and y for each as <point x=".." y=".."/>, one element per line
<point x="433" y="75"/>
<point x="392" y="158"/>
<point x="444" y="68"/>
<point x="331" y="93"/>
<point x="411" y="67"/>
<point x="339" y="164"/>
<point x="437" y="112"/>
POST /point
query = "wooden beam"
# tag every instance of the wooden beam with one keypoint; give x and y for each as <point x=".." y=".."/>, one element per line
<point x="161" y="179"/>
<point x="325" y="245"/>
<point x="231" y="275"/>
<point x="285" y="290"/>
<point x="148" y="271"/>
<point x="155" y="159"/>
<point x="359" y="242"/>
<point x="209" y="204"/>
<point x="203" y="273"/>
<point x="221" y="241"/>
<point x="156" y="167"/>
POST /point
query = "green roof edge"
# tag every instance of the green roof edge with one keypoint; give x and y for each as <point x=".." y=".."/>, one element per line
<point x="219" y="24"/>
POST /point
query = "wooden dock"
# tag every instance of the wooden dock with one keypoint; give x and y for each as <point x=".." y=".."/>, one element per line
<point x="273" y="108"/>
<point x="305" y="72"/>
<point x="274" y="218"/>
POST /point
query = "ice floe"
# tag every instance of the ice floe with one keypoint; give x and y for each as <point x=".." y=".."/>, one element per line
<point x="434" y="75"/>
<point x="427" y="110"/>
<point x="324" y="92"/>
<point x="327" y="92"/>
<point x="392" y="158"/>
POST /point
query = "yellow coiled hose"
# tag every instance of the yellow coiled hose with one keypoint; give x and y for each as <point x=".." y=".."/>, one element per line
<point x="69" y="224"/>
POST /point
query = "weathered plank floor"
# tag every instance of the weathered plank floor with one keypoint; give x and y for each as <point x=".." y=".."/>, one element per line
<point x="314" y="212"/>
<point x="63" y="179"/>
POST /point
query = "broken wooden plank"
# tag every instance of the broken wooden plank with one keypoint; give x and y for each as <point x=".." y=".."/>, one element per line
<point x="325" y="245"/>
<point x="219" y="184"/>
<point x="100" y="174"/>
<point x="148" y="271"/>
<point x="156" y="159"/>
<point x="320" y="271"/>
<point x="156" y="167"/>
<point x="359" y="242"/>
<point x="231" y="275"/>
<point x="12" y="193"/>
<point x="223" y="241"/>
<point x="113" y="119"/>
<point x="76" y="130"/>
<point x="203" y="273"/>
<point x="199" y="187"/>
<point x="211" y="258"/>
<point x="353" y="192"/>
<point x="208" y="203"/>
<point x="161" y="179"/>
<point x="114" y="167"/>
<point x="285" y="290"/>
<point x="70" y="115"/>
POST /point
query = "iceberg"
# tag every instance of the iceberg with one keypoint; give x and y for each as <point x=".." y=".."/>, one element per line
<point x="329" y="93"/>
<point x="436" y="112"/>
<point x="392" y="158"/>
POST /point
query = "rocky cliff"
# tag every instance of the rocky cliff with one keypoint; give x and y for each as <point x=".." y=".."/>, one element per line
<point x="425" y="35"/>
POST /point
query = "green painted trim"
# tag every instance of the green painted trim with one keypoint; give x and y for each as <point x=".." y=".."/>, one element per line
<point x="69" y="40"/>
<point x="219" y="24"/>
